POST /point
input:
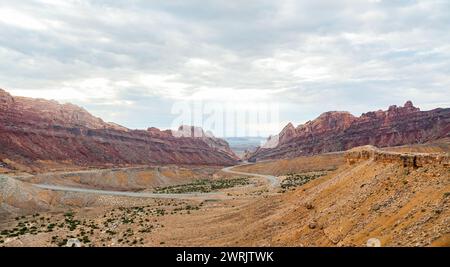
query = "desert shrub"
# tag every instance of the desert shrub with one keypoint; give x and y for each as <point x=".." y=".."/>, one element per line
<point x="203" y="186"/>
<point x="294" y="180"/>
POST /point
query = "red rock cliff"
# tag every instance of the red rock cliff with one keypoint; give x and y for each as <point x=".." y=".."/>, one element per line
<point x="36" y="129"/>
<point x="339" y="131"/>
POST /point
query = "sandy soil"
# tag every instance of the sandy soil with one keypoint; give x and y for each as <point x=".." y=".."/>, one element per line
<point x="348" y="206"/>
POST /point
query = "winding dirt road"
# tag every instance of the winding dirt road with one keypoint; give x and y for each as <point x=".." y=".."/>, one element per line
<point x="271" y="179"/>
<point x="273" y="182"/>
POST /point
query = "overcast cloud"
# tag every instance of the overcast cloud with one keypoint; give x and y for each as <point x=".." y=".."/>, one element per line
<point x="129" y="61"/>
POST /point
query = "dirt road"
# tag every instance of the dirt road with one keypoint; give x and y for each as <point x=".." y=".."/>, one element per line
<point x="271" y="179"/>
<point x="273" y="182"/>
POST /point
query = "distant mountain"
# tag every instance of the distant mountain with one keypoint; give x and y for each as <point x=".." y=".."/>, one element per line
<point x="243" y="145"/>
<point x="33" y="131"/>
<point x="340" y="130"/>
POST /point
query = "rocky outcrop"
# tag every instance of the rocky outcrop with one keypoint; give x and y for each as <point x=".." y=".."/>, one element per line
<point x="408" y="160"/>
<point x="33" y="130"/>
<point x="208" y="137"/>
<point x="340" y="131"/>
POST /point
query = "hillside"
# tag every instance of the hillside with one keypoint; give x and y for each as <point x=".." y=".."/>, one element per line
<point x="398" y="199"/>
<point x="340" y="131"/>
<point x="372" y="196"/>
<point x="36" y="132"/>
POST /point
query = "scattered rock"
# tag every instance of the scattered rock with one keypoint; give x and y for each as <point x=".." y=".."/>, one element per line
<point x="376" y="207"/>
<point x="73" y="243"/>
<point x="438" y="211"/>
<point x="373" y="242"/>
<point x="312" y="225"/>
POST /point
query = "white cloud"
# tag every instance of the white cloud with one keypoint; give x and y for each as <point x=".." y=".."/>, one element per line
<point x="318" y="54"/>
<point x="16" y="18"/>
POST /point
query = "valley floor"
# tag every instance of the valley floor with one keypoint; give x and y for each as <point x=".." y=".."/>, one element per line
<point x="325" y="200"/>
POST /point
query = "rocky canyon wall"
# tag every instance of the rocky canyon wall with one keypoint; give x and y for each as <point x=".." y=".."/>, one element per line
<point x="33" y="130"/>
<point x="340" y="131"/>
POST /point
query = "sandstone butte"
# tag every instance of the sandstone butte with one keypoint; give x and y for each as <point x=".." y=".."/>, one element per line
<point x="33" y="131"/>
<point x="339" y="131"/>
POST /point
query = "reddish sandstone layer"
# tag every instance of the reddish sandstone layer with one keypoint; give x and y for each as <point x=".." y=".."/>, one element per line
<point x="340" y="131"/>
<point x="40" y="130"/>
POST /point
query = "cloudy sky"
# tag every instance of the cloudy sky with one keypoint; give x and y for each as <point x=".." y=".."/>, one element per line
<point x="130" y="61"/>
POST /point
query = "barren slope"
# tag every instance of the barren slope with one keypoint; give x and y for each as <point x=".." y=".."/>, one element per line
<point x="370" y="198"/>
<point x="399" y="199"/>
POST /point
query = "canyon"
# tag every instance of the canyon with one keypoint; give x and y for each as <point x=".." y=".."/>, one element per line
<point x="339" y="131"/>
<point x="37" y="133"/>
<point x="350" y="198"/>
<point x="67" y="177"/>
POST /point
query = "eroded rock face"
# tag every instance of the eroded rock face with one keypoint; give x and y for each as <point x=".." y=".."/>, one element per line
<point x="36" y="129"/>
<point x="409" y="160"/>
<point x="340" y="131"/>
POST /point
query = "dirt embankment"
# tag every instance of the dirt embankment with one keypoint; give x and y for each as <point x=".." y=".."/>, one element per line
<point x="400" y="200"/>
<point x="19" y="196"/>
<point x="321" y="162"/>
<point x="370" y="197"/>
<point x="124" y="179"/>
